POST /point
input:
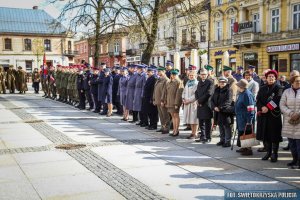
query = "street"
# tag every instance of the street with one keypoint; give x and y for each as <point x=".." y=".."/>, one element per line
<point x="120" y="160"/>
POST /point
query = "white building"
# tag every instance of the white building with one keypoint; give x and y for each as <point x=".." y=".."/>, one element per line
<point x="25" y="34"/>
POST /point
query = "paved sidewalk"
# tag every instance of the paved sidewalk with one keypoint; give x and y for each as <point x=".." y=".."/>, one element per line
<point x="120" y="161"/>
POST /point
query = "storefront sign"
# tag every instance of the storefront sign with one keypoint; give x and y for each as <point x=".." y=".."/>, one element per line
<point x="250" y="56"/>
<point x="246" y="27"/>
<point x="231" y="52"/>
<point x="232" y="60"/>
<point x="219" y="53"/>
<point x="286" y="47"/>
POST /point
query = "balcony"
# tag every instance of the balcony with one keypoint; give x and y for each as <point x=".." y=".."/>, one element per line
<point x="186" y="46"/>
<point x="246" y="39"/>
<point x="170" y="42"/>
<point x="132" y="52"/>
<point x="70" y="53"/>
<point x="112" y="54"/>
<point x="143" y="46"/>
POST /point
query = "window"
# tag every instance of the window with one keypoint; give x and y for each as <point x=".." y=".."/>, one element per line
<point x="231" y="25"/>
<point x="203" y="33"/>
<point x="218" y="32"/>
<point x="275" y="20"/>
<point x="7" y="44"/>
<point x="69" y="45"/>
<point x="184" y="37"/>
<point x="296" y="16"/>
<point x="193" y="35"/>
<point x="274" y="62"/>
<point x="153" y="61"/>
<point x="165" y="32"/>
<point x="219" y="2"/>
<point x="295" y="62"/>
<point x="117" y="47"/>
<point x="158" y="34"/>
<point x="256" y="24"/>
<point x="27" y="44"/>
<point x="47" y="45"/>
<point x="158" y="60"/>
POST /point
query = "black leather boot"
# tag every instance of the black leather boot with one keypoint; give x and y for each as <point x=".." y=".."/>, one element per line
<point x="268" y="147"/>
<point x="274" y="156"/>
<point x="294" y="161"/>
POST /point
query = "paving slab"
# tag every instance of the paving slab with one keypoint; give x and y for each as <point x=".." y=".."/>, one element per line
<point x="7" y="160"/>
<point x="11" y="173"/>
<point x="19" y="190"/>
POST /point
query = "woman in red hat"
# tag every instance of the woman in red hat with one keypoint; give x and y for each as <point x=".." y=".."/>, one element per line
<point x="269" y="122"/>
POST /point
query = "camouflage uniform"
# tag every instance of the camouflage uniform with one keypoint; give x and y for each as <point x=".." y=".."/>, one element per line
<point x="11" y="79"/>
<point x="2" y="80"/>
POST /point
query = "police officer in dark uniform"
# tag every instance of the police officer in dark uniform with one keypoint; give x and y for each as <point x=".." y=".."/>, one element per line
<point x="101" y="89"/>
<point x="147" y="106"/>
<point x="80" y="89"/>
<point x="169" y="67"/>
<point x="115" y="96"/>
<point x="86" y="84"/>
<point x="94" y="89"/>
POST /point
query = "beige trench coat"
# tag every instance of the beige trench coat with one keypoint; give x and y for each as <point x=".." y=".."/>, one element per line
<point x="173" y="93"/>
<point x="289" y="104"/>
<point x="159" y="90"/>
<point x="190" y="110"/>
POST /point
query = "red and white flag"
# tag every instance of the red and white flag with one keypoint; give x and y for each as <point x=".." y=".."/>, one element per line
<point x="272" y="105"/>
<point x="250" y="108"/>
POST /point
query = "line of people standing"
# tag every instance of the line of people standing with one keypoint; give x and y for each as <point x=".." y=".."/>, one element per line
<point x="13" y="80"/>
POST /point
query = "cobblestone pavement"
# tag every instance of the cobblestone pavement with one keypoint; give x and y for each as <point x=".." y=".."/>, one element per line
<point x="120" y="160"/>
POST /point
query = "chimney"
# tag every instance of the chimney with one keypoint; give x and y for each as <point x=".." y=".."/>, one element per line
<point x="35" y="7"/>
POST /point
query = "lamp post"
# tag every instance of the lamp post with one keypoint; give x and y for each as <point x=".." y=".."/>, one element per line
<point x="208" y="41"/>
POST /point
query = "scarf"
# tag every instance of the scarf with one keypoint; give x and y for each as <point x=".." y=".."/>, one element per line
<point x="191" y="83"/>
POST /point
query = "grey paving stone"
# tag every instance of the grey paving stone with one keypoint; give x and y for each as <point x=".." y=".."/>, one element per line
<point x="7" y="160"/>
<point x="249" y="181"/>
<point x="11" y="173"/>
<point x="41" y="157"/>
<point x="19" y="190"/>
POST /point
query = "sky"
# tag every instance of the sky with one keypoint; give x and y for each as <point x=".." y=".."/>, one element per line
<point x="42" y="4"/>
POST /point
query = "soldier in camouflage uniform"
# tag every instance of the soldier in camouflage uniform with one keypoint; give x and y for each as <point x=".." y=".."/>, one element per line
<point x="58" y="81"/>
<point x="2" y="80"/>
<point x="52" y="83"/>
<point x="69" y="89"/>
<point x="64" y="84"/>
<point x="76" y="96"/>
<point x="11" y="79"/>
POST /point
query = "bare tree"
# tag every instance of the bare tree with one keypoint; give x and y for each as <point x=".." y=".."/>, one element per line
<point x="38" y="49"/>
<point x="91" y="16"/>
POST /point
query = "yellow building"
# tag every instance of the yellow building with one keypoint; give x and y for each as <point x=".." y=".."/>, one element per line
<point x="265" y="34"/>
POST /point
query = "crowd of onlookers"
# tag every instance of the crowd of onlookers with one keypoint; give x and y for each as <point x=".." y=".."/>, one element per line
<point x="243" y="102"/>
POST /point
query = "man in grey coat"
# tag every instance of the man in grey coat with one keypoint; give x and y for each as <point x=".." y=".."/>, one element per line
<point x="130" y="92"/>
<point x="138" y="94"/>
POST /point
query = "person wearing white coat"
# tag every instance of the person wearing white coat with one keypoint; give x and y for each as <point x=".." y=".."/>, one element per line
<point x="290" y="107"/>
<point x="190" y="103"/>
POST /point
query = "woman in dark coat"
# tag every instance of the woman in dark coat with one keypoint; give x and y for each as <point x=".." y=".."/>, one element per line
<point x="269" y="123"/>
<point x="107" y="91"/>
<point x="204" y="91"/>
<point x="245" y="112"/>
<point x="221" y="103"/>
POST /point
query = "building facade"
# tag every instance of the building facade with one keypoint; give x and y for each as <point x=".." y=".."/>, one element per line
<point x="265" y="34"/>
<point x="26" y="34"/>
<point x="83" y="48"/>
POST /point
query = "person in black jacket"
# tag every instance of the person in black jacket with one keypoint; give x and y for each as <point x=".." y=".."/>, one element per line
<point x="204" y="91"/>
<point x="147" y="104"/>
<point x="87" y="85"/>
<point x="269" y="123"/>
<point x="94" y="89"/>
<point x="80" y="89"/>
<point x="221" y="103"/>
<point x="107" y="91"/>
<point x="115" y="86"/>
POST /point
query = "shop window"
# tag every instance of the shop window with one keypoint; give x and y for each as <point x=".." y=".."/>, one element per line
<point x="296" y="16"/>
<point x="27" y="44"/>
<point x="295" y="62"/>
<point x="218" y="67"/>
<point x="7" y="44"/>
<point x="275" y="20"/>
<point x="274" y="62"/>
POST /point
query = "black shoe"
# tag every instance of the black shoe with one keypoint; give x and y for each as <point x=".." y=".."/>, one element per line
<point x="165" y="132"/>
<point x="227" y="144"/>
<point x="138" y="124"/>
<point x="241" y="150"/>
<point x="152" y="128"/>
<point x="143" y="125"/>
<point x="176" y="134"/>
<point x="263" y="149"/>
<point x="96" y="111"/>
<point x="133" y="121"/>
<point x="187" y="129"/>
<point x="293" y="163"/>
<point x="103" y="113"/>
<point x="274" y="157"/>
<point x="206" y="141"/>
<point x="160" y="130"/>
<point x="220" y="143"/>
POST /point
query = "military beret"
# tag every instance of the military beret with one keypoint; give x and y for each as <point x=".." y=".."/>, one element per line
<point x="192" y="67"/>
<point x="174" y="71"/>
<point x="226" y="68"/>
<point x="208" y="67"/>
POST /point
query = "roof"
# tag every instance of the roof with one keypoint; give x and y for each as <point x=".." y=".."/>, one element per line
<point x="29" y="21"/>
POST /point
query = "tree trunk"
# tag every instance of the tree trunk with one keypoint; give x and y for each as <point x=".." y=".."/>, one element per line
<point x="148" y="52"/>
<point x="97" y="36"/>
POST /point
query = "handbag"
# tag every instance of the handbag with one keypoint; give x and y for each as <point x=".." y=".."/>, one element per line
<point x="249" y="140"/>
<point x="294" y="122"/>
